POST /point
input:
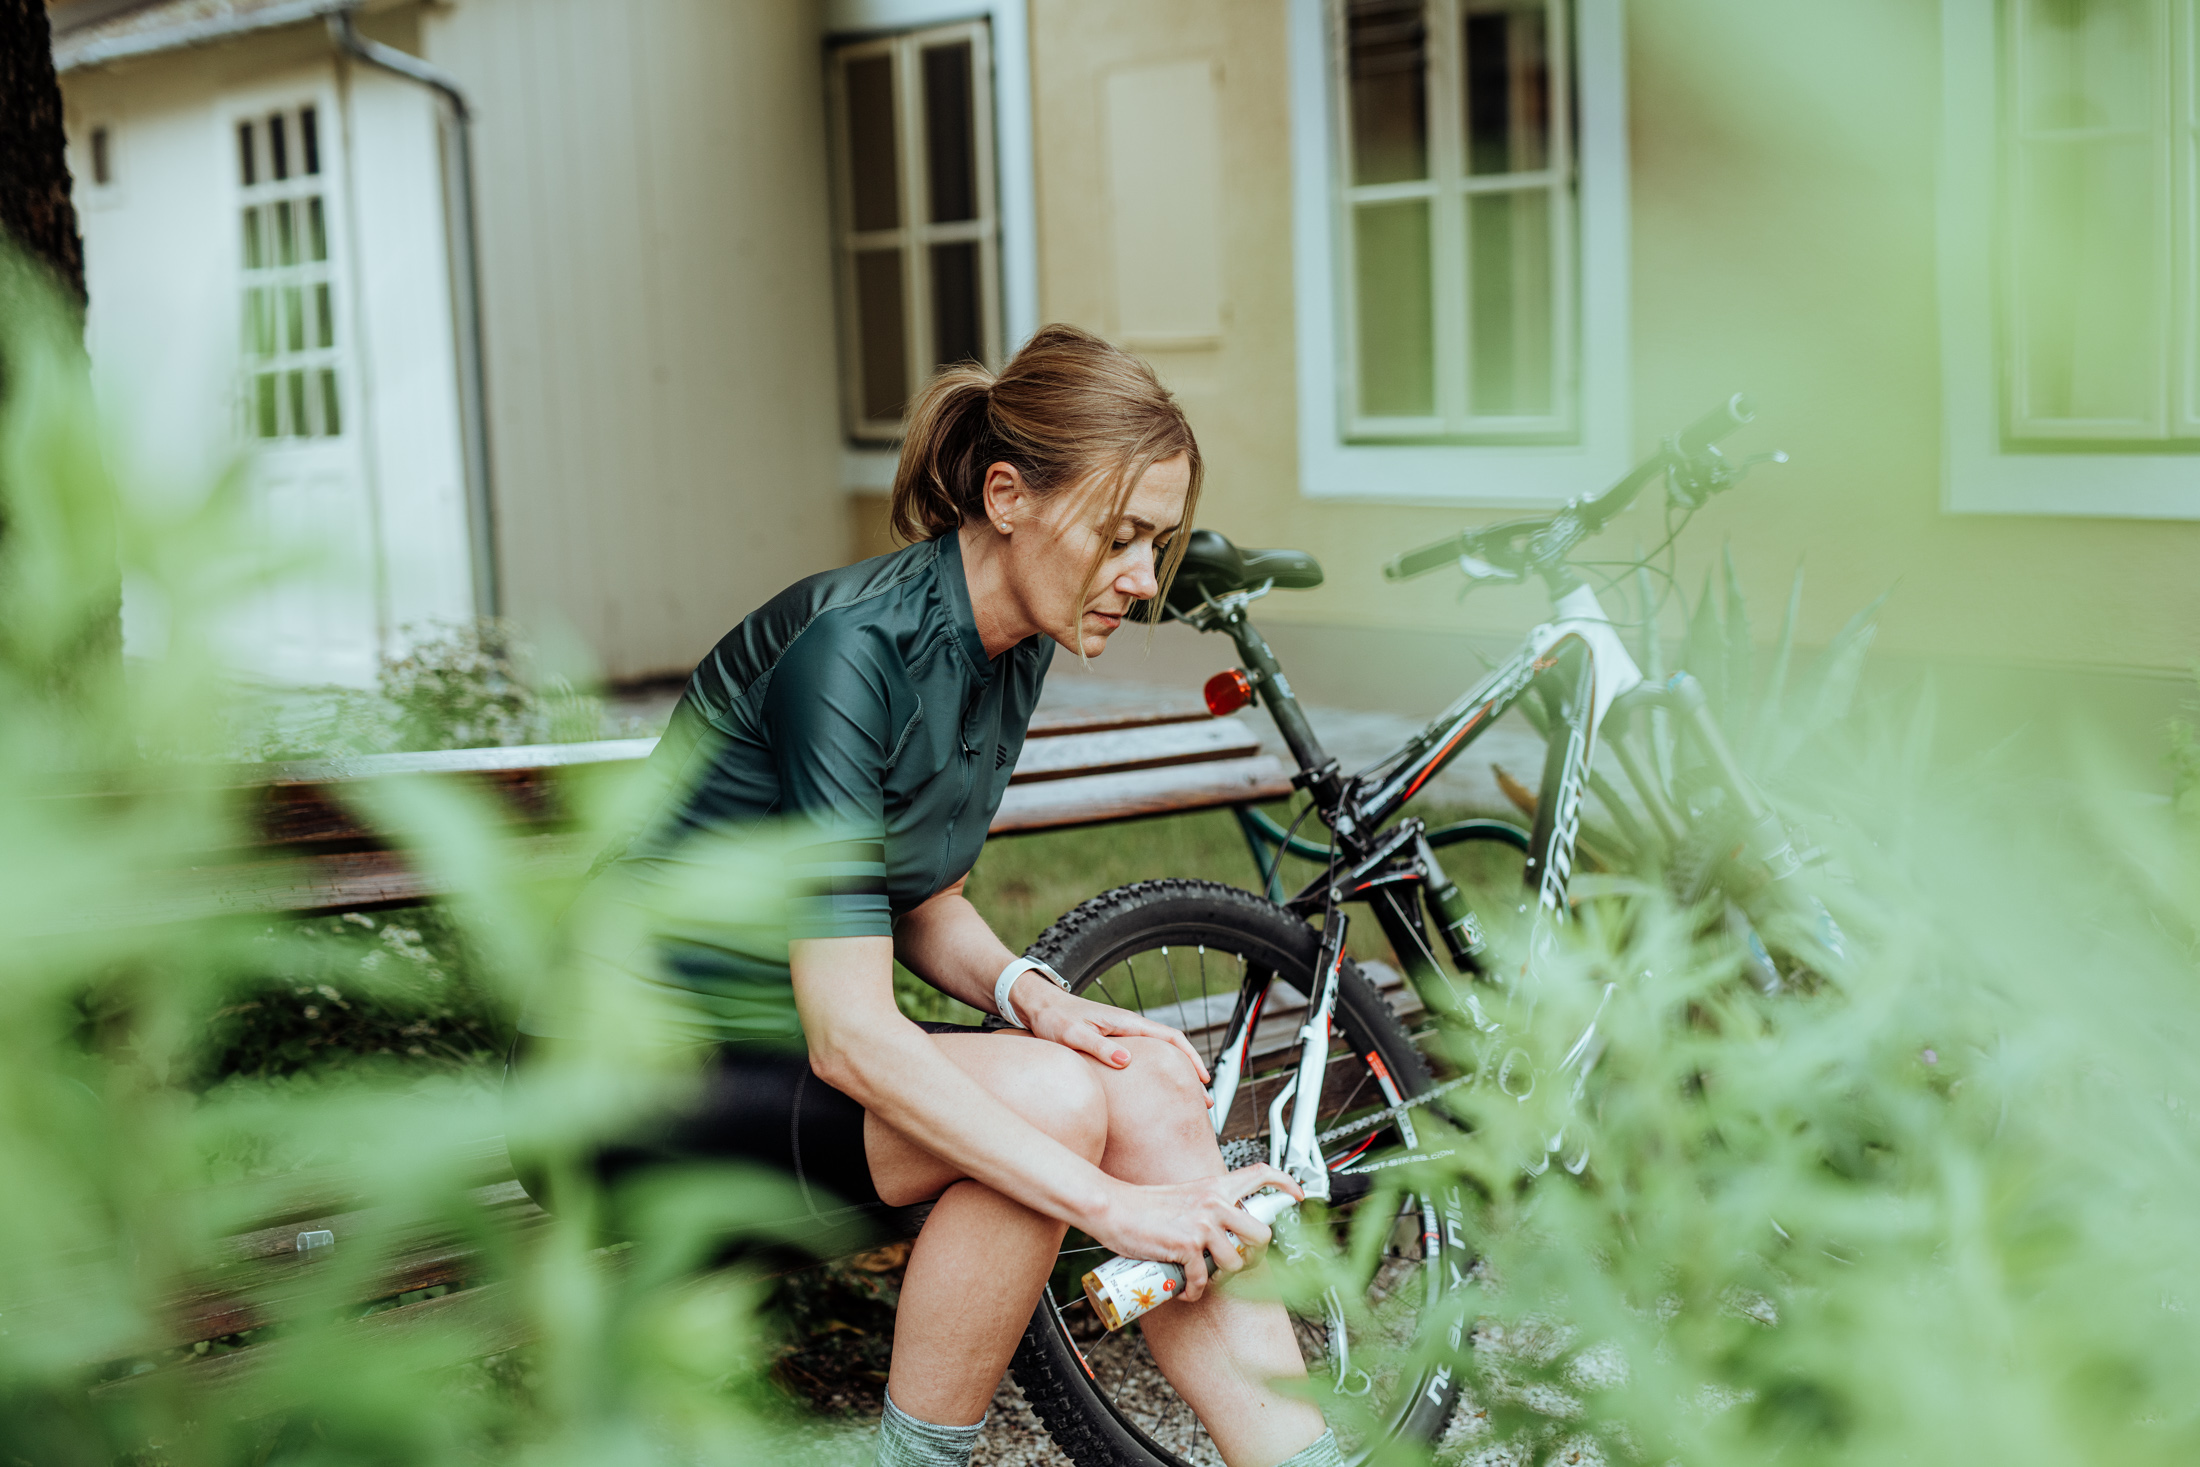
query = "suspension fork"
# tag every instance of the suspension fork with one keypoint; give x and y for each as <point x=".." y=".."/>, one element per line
<point x="1292" y="1147"/>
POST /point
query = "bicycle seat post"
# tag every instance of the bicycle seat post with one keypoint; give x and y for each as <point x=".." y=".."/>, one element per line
<point x="1317" y="771"/>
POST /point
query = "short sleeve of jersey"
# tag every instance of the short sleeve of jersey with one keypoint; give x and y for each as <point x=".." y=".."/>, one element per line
<point x="828" y="717"/>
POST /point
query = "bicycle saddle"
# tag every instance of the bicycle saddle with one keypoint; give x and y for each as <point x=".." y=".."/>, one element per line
<point x="1213" y="566"/>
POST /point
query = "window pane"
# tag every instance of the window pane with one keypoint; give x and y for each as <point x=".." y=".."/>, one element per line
<point x="309" y="138"/>
<point x="1508" y="88"/>
<point x="1396" y="338"/>
<point x="247" y="165"/>
<point x="1387" y="60"/>
<point x="1511" y="309"/>
<point x="297" y="403"/>
<point x="263" y="406"/>
<point x="286" y="236"/>
<point x="2087" y="64"/>
<point x="956" y="324"/>
<point x="253" y="256"/>
<point x="871" y="164"/>
<point x="294" y="319"/>
<point x="879" y="334"/>
<point x="278" y="149"/>
<point x="323" y="316"/>
<point x="332" y="418"/>
<point x="259" y="323"/>
<point x="316" y="230"/>
<point x="2087" y="315"/>
<point x="950" y="142"/>
<point x="102" y="173"/>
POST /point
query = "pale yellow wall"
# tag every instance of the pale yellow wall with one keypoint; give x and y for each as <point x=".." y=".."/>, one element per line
<point x="1783" y="244"/>
<point x="659" y="308"/>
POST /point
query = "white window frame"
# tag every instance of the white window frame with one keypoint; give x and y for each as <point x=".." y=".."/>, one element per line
<point x="1979" y="474"/>
<point x="1467" y="474"/>
<point x="915" y="234"/>
<point x="1014" y="178"/>
<point x="1447" y="189"/>
<point x="328" y="185"/>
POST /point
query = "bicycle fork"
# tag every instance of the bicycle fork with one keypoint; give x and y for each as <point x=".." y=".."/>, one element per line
<point x="1292" y="1147"/>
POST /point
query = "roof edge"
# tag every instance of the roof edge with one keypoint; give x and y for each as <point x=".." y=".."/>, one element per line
<point x="76" y="56"/>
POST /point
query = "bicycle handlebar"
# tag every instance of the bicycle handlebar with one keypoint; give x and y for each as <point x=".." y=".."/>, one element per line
<point x="1695" y="439"/>
<point x="1517" y="546"/>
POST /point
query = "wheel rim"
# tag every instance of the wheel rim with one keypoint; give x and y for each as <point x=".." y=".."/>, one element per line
<point x="1195" y="970"/>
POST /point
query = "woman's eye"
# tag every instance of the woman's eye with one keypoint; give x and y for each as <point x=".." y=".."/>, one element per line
<point x="1122" y="545"/>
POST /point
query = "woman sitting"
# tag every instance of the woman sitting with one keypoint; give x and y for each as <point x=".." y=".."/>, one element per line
<point x="876" y="712"/>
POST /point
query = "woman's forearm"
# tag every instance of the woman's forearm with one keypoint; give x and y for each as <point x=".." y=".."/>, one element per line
<point x="947" y="944"/>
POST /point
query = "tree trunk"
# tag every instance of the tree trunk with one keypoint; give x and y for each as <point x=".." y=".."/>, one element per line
<point x="34" y="170"/>
<point x="75" y="663"/>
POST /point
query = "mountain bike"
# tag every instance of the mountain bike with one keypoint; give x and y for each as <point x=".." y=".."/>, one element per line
<point x="1338" y="1099"/>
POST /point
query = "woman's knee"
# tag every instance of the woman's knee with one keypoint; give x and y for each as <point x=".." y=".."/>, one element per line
<point x="1055" y="1089"/>
<point x="1164" y="1087"/>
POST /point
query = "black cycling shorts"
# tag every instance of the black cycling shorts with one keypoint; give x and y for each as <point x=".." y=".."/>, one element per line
<point x="760" y="1106"/>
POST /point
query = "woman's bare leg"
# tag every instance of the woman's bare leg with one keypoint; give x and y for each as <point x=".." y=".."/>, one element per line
<point x="982" y="1258"/>
<point x="1223" y="1351"/>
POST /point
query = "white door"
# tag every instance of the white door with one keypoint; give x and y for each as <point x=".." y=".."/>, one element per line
<point x="298" y="396"/>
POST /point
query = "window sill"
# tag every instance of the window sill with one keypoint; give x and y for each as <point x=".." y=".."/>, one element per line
<point x="1496" y="476"/>
<point x="2098" y="485"/>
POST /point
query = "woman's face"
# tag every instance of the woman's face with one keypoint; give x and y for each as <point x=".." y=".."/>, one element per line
<point x="1065" y="531"/>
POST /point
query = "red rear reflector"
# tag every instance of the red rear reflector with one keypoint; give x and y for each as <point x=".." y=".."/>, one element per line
<point x="1227" y="692"/>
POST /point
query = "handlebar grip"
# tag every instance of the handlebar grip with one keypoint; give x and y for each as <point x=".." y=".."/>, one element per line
<point x="1426" y="558"/>
<point x="1716" y="424"/>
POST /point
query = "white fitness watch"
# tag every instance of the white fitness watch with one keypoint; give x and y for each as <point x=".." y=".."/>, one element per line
<point x="1015" y="970"/>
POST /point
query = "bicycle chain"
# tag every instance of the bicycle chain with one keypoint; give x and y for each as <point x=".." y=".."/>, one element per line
<point x="1369" y="1123"/>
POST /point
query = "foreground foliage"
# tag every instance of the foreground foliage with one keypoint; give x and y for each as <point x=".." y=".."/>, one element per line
<point x="1936" y="1207"/>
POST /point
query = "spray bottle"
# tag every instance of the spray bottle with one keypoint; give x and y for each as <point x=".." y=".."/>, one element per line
<point x="1121" y="1289"/>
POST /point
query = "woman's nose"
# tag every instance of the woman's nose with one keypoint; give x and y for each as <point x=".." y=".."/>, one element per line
<point x="1139" y="580"/>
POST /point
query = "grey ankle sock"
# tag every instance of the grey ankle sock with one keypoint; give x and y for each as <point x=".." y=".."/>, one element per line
<point x="1322" y="1451"/>
<point x="904" y="1441"/>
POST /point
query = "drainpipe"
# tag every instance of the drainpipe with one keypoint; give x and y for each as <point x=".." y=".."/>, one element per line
<point x="473" y="391"/>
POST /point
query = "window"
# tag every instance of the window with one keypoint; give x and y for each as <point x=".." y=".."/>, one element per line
<point x="2097" y="116"/>
<point x="919" y="266"/>
<point x="103" y="172"/>
<point x="289" y="311"/>
<point x="2069" y="266"/>
<point x="1457" y="231"/>
<point x="1461" y="254"/>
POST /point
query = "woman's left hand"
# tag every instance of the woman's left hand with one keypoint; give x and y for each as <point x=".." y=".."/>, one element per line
<point x="1092" y="1028"/>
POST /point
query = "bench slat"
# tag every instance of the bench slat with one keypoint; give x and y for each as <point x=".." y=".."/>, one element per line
<point x="1107" y="751"/>
<point x="1093" y="799"/>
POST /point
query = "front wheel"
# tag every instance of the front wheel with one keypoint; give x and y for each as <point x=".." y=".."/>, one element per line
<point x="1182" y="951"/>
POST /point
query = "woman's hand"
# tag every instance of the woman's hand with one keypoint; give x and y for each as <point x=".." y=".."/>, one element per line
<point x="1179" y="1222"/>
<point x="1091" y="1028"/>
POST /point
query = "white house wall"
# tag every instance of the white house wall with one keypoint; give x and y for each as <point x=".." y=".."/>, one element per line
<point x="657" y="291"/>
<point x="382" y="508"/>
<point x="401" y="269"/>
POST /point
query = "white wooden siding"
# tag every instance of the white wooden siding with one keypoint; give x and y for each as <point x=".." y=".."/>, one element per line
<point x="656" y="262"/>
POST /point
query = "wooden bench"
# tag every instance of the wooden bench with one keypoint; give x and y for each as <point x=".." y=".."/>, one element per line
<point x="315" y="854"/>
<point x="436" y="1279"/>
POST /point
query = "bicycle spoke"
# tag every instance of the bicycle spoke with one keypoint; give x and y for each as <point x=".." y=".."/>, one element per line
<point x="1169" y="964"/>
<point x="1105" y="992"/>
<point x="1140" y="999"/>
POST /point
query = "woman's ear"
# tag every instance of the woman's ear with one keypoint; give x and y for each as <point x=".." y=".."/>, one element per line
<point x="1007" y="497"/>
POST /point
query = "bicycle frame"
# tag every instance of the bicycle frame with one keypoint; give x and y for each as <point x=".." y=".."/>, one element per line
<point x="1578" y="662"/>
